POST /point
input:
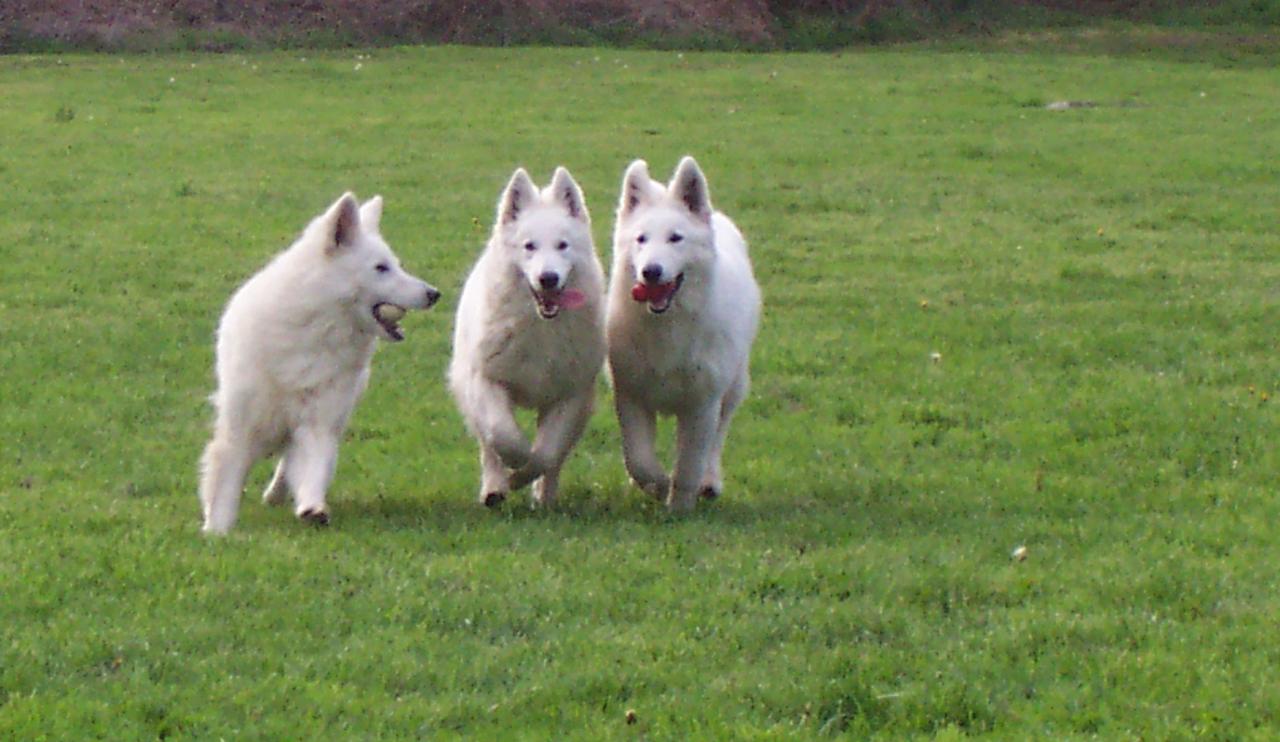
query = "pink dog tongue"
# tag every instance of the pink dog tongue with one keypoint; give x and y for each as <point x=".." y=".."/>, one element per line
<point x="572" y="298"/>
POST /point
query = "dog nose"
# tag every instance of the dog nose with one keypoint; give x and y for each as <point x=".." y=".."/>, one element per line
<point x="433" y="296"/>
<point x="549" y="279"/>
<point x="652" y="273"/>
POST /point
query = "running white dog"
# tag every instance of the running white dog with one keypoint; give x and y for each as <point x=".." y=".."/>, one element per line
<point x="683" y="311"/>
<point x="530" y="333"/>
<point x="294" y="347"/>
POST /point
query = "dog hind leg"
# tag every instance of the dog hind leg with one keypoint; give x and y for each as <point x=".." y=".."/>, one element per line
<point x="223" y="468"/>
<point x="277" y="493"/>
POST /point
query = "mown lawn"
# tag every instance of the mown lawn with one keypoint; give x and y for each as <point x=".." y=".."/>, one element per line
<point x="987" y="325"/>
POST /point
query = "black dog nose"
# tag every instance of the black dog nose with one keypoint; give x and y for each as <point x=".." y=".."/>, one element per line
<point x="652" y="273"/>
<point x="549" y="280"/>
<point x="433" y="296"/>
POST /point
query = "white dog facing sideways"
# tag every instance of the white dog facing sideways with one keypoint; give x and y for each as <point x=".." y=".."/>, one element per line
<point x="293" y="353"/>
<point x="530" y="334"/>
<point x="682" y="314"/>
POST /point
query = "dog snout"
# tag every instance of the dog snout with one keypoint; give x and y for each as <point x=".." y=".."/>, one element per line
<point x="652" y="273"/>
<point x="433" y="296"/>
<point x="548" y="279"/>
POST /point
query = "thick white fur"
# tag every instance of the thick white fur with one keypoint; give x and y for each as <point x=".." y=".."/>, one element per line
<point x="691" y="360"/>
<point x="505" y="355"/>
<point x="293" y="354"/>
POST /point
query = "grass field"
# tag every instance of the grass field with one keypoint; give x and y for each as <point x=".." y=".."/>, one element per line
<point x="987" y="324"/>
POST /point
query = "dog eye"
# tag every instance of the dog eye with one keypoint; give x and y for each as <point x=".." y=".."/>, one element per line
<point x="382" y="268"/>
<point x="675" y="237"/>
<point x="643" y="238"/>
<point x="562" y="245"/>
<point x="529" y="246"/>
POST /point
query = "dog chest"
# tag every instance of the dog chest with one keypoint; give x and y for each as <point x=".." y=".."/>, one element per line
<point x="673" y="371"/>
<point x="544" y="361"/>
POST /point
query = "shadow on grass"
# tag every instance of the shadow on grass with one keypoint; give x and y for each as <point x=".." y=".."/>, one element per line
<point x="821" y="516"/>
<point x="578" y="506"/>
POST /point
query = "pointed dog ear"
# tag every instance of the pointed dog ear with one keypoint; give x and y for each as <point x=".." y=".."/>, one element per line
<point x="635" y="188"/>
<point x="689" y="185"/>
<point x="341" y="223"/>
<point x="371" y="213"/>
<point x="567" y="193"/>
<point x="520" y="193"/>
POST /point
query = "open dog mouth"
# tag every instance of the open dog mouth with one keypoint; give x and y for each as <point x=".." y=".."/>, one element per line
<point x="388" y="316"/>
<point x="657" y="295"/>
<point x="551" y="301"/>
<point x="548" y="301"/>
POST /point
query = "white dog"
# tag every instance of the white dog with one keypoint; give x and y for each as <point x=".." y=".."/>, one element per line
<point x="683" y="311"/>
<point x="530" y="334"/>
<point x="293" y="350"/>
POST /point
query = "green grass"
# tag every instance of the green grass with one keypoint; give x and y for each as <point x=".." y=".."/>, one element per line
<point x="1100" y="286"/>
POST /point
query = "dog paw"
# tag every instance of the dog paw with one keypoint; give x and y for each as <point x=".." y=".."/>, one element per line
<point x="315" y="516"/>
<point x="543" y="495"/>
<point x="521" y="477"/>
<point x="214" y="529"/>
<point x="514" y="453"/>
<point x="275" y="495"/>
<point x="682" y="502"/>
<point x="493" y="500"/>
<point x="655" y="486"/>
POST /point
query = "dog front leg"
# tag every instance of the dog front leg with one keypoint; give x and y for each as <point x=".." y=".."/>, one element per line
<point x="639" y="429"/>
<point x="695" y="438"/>
<point x="559" y="428"/>
<point x="494" y="480"/>
<point x="492" y="418"/>
<point x="310" y="465"/>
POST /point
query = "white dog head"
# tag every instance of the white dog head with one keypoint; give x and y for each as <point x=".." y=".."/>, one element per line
<point x="664" y="234"/>
<point x="361" y="268"/>
<point x="547" y="234"/>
